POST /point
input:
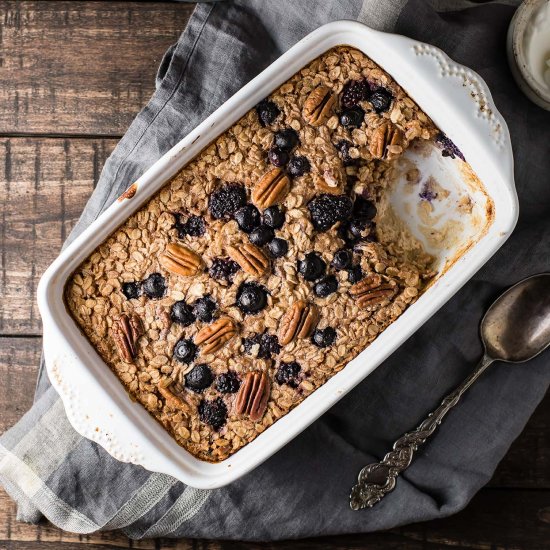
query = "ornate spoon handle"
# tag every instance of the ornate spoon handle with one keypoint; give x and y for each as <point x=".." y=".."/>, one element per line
<point x="376" y="480"/>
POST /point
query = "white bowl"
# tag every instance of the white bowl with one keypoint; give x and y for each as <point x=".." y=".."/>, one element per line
<point x="458" y="101"/>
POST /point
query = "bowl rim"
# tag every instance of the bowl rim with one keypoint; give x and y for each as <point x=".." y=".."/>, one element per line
<point x="98" y="406"/>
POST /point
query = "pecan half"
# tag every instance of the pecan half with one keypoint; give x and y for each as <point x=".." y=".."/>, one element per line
<point x="253" y="396"/>
<point x="298" y="322"/>
<point x="172" y="400"/>
<point x="271" y="188"/>
<point x="181" y="260"/>
<point x="213" y="337"/>
<point x="126" y="331"/>
<point x="318" y="106"/>
<point x="372" y="291"/>
<point x="386" y="140"/>
<point x="251" y="259"/>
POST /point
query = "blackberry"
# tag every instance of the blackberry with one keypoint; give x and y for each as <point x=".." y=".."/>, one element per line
<point x="298" y="166"/>
<point x="355" y="274"/>
<point x="286" y="139"/>
<point x="199" y="378"/>
<point x="381" y="100"/>
<point x="204" y="309"/>
<point x="342" y="259"/>
<point x="277" y="157"/>
<point x="248" y="218"/>
<point x="228" y="382"/>
<point x="287" y="373"/>
<point x="278" y="247"/>
<point x="363" y="208"/>
<point x="326" y="210"/>
<point x="131" y="290"/>
<point x="224" y="202"/>
<point x="312" y="267"/>
<point x="448" y="148"/>
<point x="267" y="112"/>
<point x="268" y="345"/>
<point x="154" y="286"/>
<point x="325" y="287"/>
<point x="274" y="217"/>
<point x="223" y="269"/>
<point x="182" y="313"/>
<point x="251" y="297"/>
<point x="323" y="338"/>
<point x="185" y="351"/>
<point x="354" y="92"/>
<point x="195" y="226"/>
<point x="352" y="118"/>
<point x="213" y="413"/>
<point x="261" y="235"/>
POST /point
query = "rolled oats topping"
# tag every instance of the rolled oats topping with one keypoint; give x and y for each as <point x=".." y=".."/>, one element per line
<point x="259" y="271"/>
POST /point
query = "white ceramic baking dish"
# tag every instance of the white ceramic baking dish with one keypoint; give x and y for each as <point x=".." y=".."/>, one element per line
<point x="458" y="101"/>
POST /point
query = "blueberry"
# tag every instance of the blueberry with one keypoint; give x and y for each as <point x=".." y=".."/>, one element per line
<point x="251" y="297"/>
<point x="199" y="378"/>
<point x="268" y="345"/>
<point x="248" y="218"/>
<point x="278" y="247"/>
<point x="224" y="202"/>
<point x="354" y="92"/>
<point x="325" y="287"/>
<point x="352" y="118"/>
<point x="195" y="226"/>
<point x="131" y="290"/>
<point x="182" y="313"/>
<point x="381" y="100"/>
<point x="185" y="351"/>
<point x="223" y="269"/>
<point x="228" y="382"/>
<point x="323" y="338"/>
<point x="261" y="235"/>
<point x="312" y="267"/>
<point x="298" y="166"/>
<point x="342" y="259"/>
<point x="286" y="139"/>
<point x="343" y="147"/>
<point x="213" y="413"/>
<point x="360" y="228"/>
<point x="287" y="373"/>
<point x="355" y="274"/>
<point x="448" y="148"/>
<point x="154" y="286"/>
<point x="204" y="309"/>
<point x="277" y="157"/>
<point x="274" y="217"/>
<point x="363" y="208"/>
<point x="267" y="112"/>
<point x="326" y="210"/>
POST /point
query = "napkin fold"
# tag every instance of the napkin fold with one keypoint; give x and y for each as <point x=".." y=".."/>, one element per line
<point x="51" y="471"/>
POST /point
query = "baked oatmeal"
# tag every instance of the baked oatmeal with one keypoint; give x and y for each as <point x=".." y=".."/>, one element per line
<point x="258" y="271"/>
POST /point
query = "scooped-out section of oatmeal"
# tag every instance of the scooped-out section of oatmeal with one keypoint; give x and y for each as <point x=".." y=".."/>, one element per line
<point x="277" y="255"/>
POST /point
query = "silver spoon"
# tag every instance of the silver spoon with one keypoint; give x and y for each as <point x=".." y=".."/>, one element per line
<point x="515" y="329"/>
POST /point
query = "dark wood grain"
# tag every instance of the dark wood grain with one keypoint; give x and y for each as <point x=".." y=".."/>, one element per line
<point x="44" y="185"/>
<point x="83" y="68"/>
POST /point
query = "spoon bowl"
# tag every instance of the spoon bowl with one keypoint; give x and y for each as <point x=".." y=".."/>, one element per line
<point x="516" y="327"/>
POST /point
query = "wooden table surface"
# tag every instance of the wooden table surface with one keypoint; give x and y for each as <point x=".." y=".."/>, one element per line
<point x="72" y="77"/>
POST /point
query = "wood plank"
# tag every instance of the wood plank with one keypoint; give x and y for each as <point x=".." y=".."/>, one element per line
<point x="494" y="519"/>
<point x="44" y="184"/>
<point x="81" y="67"/>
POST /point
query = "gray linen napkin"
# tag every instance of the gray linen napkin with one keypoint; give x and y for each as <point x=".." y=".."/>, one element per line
<point x="303" y="490"/>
